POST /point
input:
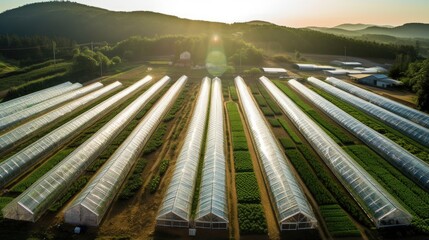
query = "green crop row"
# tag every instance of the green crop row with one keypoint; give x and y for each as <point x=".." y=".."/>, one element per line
<point x="260" y="100"/>
<point x="267" y="111"/>
<point x="39" y="172"/>
<point x="247" y="188"/>
<point x="242" y="161"/>
<point x="405" y="142"/>
<point x="287" y="143"/>
<point x="289" y="131"/>
<point x="402" y="188"/>
<point x="71" y="191"/>
<point x="135" y="181"/>
<point x="337" y="222"/>
<point x="233" y="93"/>
<point x="274" y="122"/>
<point x="319" y="192"/>
<point x="251" y="219"/>
<point x="338" y="192"/>
<point x="156" y="140"/>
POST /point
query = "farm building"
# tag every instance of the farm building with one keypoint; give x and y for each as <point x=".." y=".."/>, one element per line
<point x="377" y="80"/>
<point x="184" y="59"/>
<point x="275" y="72"/>
<point x="312" y="67"/>
<point x="346" y="64"/>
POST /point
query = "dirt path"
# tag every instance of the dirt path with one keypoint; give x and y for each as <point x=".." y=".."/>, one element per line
<point x="230" y="177"/>
<point x="273" y="228"/>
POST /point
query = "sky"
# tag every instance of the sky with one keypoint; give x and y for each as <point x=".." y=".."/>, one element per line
<point x="293" y="13"/>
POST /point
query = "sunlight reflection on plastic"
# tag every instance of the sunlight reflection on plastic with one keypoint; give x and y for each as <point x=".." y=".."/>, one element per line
<point x="216" y="60"/>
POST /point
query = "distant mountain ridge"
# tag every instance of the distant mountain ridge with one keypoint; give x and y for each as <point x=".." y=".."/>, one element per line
<point x="85" y="24"/>
<point x="408" y="30"/>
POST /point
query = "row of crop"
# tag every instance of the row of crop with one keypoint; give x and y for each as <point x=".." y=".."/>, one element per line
<point x="269" y="101"/>
<point x="405" y="142"/>
<point x="251" y="217"/>
<point x="339" y="134"/>
<point x="156" y="179"/>
<point x="337" y="222"/>
<point x="319" y="192"/>
<point x="135" y="181"/>
<point x="33" y="176"/>
<point x="340" y="194"/>
<point x="402" y="188"/>
<point x="328" y="180"/>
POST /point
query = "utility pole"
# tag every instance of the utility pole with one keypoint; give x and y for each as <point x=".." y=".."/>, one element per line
<point x="53" y="51"/>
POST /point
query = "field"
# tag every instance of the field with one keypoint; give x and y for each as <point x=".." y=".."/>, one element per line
<point x="251" y="211"/>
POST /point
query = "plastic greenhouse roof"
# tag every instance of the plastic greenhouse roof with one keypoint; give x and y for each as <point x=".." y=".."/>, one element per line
<point x="177" y="201"/>
<point x="286" y="194"/>
<point x="382" y="208"/>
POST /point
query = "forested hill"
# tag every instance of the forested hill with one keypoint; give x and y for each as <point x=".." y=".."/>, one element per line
<point x="83" y="23"/>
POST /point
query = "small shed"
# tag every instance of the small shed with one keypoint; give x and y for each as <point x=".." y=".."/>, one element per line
<point x="377" y="80"/>
<point x="346" y="64"/>
<point x="312" y="67"/>
<point x="275" y="72"/>
<point x="184" y="59"/>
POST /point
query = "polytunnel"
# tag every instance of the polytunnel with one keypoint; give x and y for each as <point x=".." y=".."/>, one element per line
<point x="35" y="97"/>
<point x="20" y="162"/>
<point x="409" y="113"/>
<point x="92" y="203"/>
<point x="176" y="206"/>
<point x="47" y="105"/>
<point x="407" y="163"/>
<point x="15" y="165"/>
<point x="292" y="208"/>
<point x="18" y="105"/>
<point x="34" y="201"/>
<point x="212" y="209"/>
<point x="410" y="129"/>
<point x="382" y="208"/>
<point x="12" y="138"/>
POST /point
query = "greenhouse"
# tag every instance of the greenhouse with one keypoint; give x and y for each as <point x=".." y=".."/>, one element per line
<point x="34" y="97"/>
<point x="46" y="105"/>
<point x="411" y="129"/>
<point x="11" y="139"/>
<point x="383" y="210"/>
<point x="176" y="206"/>
<point x="92" y="203"/>
<point x="212" y="209"/>
<point x="37" y="98"/>
<point x="32" y="203"/>
<point x="292" y="208"/>
<point x="411" y="114"/>
<point x="407" y="163"/>
<point x="51" y="142"/>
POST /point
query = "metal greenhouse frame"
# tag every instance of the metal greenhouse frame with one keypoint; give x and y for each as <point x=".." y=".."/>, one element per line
<point x="92" y="203"/>
<point x="51" y="142"/>
<point x="18" y="105"/>
<point x="411" y="129"/>
<point x="407" y="163"/>
<point x="292" y="208"/>
<point x="176" y="206"/>
<point x="382" y="208"/>
<point x="34" y="97"/>
<point x="47" y="105"/>
<point x="34" y="201"/>
<point x="411" y="114"/>
<point x="212" y="210"/>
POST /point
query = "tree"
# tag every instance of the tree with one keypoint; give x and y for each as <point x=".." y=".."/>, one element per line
<point x="417" y="77"/>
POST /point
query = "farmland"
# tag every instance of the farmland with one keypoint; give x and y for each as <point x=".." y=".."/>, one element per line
<point x="338" y="213"/>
